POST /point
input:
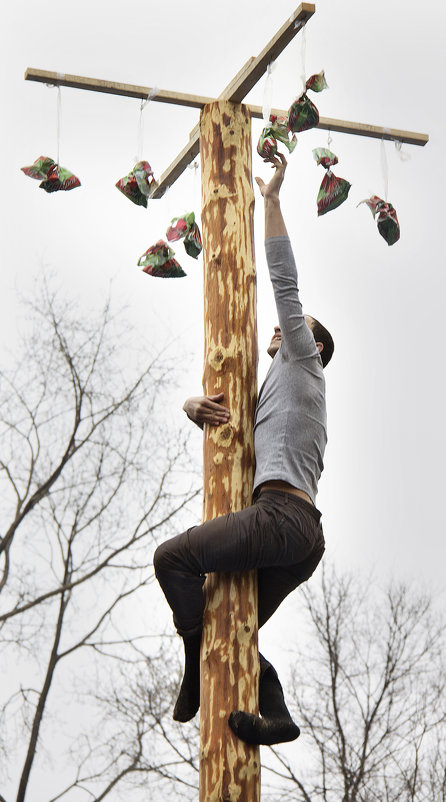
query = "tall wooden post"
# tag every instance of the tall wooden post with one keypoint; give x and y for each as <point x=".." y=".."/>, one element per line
<point x="229" y="769"/>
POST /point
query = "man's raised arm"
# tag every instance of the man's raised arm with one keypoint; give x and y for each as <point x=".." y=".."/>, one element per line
<point x="295" y="333"/>
<point x="274" y="222"/>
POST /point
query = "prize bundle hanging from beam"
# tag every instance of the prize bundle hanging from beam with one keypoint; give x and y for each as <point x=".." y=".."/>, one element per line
<point x="229" y="767"/>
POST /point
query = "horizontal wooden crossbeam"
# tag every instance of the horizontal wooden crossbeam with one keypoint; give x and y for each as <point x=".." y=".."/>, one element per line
<point x="232" y="91"/>
<point x="236" y="91"/>
<point x="359" y="129"/>
<point x="113" y="88"/>
<point x="191" y="150"/>
<point x="259" y="65"/>
<point x="199" y="101"/>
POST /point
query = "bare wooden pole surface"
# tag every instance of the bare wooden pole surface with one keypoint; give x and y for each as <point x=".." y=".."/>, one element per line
<point x="229" y="768"/>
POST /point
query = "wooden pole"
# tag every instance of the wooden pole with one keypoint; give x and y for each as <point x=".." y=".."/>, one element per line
<point x="229" y="768"/>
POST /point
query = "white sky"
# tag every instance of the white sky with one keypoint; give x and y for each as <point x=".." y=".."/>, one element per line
<point x="383" y="488"/>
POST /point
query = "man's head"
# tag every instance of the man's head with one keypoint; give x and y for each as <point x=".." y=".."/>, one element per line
<point x="323" y="339"/>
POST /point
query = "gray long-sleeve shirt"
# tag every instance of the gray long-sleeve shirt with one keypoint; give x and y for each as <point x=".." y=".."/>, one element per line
<point x="290" y="428"/>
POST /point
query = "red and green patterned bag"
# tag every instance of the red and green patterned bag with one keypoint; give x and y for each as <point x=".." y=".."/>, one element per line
<point x="53" y="177"/>
<point x="325" y="157"/>
<point x="192" y="242"/>
<point x="267" y="145"/>
<point x="317" y="82"/>
<point x="388" y="225"/>
<point x="138" y="184"/>
<point x="158" y="261"/>
<point x="186" y="227"/>
<point x="333" y="191"/>
<point x="303" y="114"/>
<point x="277" y="130"/>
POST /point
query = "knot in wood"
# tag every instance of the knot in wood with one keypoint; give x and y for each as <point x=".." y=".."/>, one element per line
<point x="217" y="357"/>
<point x="215" y="260"/>
<point x="225" y="435"/>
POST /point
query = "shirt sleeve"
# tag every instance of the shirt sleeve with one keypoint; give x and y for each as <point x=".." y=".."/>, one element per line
<point x="297" y="339"/>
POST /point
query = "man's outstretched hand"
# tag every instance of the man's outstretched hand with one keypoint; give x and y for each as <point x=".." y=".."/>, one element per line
<point x="206" y="409"/>
<point x="272" y="189"/>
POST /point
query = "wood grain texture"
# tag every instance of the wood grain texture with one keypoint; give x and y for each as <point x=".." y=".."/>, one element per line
<point x="229" y="769"/>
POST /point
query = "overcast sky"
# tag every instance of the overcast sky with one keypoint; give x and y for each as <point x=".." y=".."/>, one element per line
<point x="382" y="492"/>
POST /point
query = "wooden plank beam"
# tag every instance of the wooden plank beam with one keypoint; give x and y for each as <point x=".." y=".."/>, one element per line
<point x="179" y="164"/>
<point x="191" y="150"/>
<point x="199" y="101"/>
<point x="375" y="131"/>
<point x="113" y="88"/>
<point x="358" y="129"/>
<point x="275" y="46"/>
<point x="238" y="88"/>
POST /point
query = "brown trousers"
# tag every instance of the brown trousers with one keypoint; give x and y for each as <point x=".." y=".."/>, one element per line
<point x="280" y="535"/>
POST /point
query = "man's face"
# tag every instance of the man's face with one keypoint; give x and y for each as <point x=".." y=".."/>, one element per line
<point x="276" y="339"/>
<point x="274" y="345"/>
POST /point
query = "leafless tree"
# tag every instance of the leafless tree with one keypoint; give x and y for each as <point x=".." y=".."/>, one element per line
<point x="368" y="686"/>
<point x="138" y="745"/>
<point x="91" y="476"/>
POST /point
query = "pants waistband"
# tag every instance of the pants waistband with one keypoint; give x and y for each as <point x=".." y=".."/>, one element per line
<point x="291" y="498"/>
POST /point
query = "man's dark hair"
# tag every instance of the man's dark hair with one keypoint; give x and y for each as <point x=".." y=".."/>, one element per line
<point x="321" y="335"/>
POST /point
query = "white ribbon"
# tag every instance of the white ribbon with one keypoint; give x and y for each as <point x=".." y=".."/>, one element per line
<point x="59" y="104"/>
<point x="384" y="169"/>
<point x="60" y="75"/>
<point x="140" y="138"/>
<point x="303" y="51"/>
<point x="268" y="94"/>
<point x="195" y="186"/>
<point x="402" y="154"/>
<point x="153" y="93"/>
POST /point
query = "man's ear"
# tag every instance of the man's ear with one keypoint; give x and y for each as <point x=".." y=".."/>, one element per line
<point x="320" y="347"/>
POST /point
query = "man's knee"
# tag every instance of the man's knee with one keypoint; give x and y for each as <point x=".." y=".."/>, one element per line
<point x="163" y="558"/>
<point x="172" y="555"/>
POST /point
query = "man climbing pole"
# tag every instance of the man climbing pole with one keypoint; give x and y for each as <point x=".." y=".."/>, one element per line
<point x="280" y="535"/>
